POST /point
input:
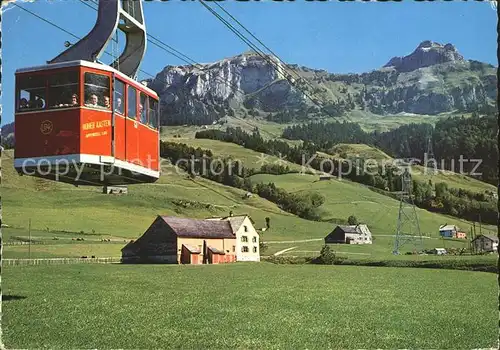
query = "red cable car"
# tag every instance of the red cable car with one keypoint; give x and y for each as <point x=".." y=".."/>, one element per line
<point x="86" y="123"/>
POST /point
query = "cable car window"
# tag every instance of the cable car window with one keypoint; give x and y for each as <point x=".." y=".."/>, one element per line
<point x="153" y="113"/>
<point x="143" y="108"/>
<point x="31" y="93"/>
<point x="119" y="97"/>
<point x="132" y="102"/>
<point x="97" y="87"/>
<point x="63" y="89"/>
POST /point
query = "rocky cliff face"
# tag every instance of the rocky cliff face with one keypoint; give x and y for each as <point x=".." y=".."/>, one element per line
<point x="428" y="53"/>
<point x="201" y="95"/>
<point x="435" y="89"/>
<point x="433" y="79"/>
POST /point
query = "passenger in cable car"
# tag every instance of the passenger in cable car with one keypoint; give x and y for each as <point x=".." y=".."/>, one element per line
<point x="106" y="102"/>
<point x="36" y="103"/>
<point x="142" y="113"/>
<point x="23" y="103"/>
<point x="93" y="101"/>
<point x="74" y="99"/>
<point x="118" y="107"/>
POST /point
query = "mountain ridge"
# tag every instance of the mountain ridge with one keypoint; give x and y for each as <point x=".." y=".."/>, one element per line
<point x="433" y="79"/>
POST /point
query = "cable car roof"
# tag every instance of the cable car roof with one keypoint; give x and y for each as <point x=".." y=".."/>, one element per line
<point x="88" y="64"/>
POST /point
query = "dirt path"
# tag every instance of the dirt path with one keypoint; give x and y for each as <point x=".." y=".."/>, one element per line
<point x="283" y="251"/>
<point x="300" y="241"/>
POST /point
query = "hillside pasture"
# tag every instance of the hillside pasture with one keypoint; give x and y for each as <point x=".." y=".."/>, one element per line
<point x="344" y="198"/>
<point x="250" y="159"/>
<point x="66" y="212"/>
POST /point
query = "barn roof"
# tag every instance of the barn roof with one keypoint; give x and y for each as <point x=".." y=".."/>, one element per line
<point x="490" y="237"/>
<point x="197" y="228"/>
<point x="448" y="228"/>
<point x="349" y="229"/>
<point x="236" y="221"/>
<point x="216" y="251"/>
<point x="192" y="249"/>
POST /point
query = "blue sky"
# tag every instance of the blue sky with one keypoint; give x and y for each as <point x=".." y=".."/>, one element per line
<point x="339" y="37"/>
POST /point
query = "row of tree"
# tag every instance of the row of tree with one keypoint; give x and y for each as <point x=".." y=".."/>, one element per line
<point x="199" y="162"/>
<point x="473" y="139"/>
<point x="386" y="178"/>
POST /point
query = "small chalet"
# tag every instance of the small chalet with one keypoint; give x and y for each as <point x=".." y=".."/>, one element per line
<point x="352" y="234"/>
<point x="485" y="243"/>
<point x="177" y="240"/>
<point x="451" y="231"/>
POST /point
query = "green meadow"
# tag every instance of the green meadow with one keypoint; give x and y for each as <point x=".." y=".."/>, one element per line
<point x="247" y="306"/>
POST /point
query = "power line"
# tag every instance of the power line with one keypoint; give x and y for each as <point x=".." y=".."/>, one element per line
<point x="64" y="30"/>
<point x="261" y="54"/>
<point x="253" y="36"/>
<point x="186" y="59"/>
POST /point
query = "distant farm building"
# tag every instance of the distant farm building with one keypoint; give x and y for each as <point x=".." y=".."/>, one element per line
<point x="353" y="234"/>
<point x="177" y="240"/>
<point x="439" y="251"/>
<point x="451" y="231"/>
<point x="485" y="243"/>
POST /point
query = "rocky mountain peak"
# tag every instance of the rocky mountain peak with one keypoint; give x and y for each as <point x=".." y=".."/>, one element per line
<point x="426" y="54"/>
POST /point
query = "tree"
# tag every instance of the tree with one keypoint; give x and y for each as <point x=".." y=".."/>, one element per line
<point x="327" y="256"/>
<point x="268" y="219"/>
<point x="352" y="220"/>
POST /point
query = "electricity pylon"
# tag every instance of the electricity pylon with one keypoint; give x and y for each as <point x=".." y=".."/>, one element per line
<point x="408" y="229"/>
<point x="430" y="162"/>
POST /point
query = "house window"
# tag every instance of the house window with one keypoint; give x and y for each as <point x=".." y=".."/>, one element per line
<point x="245" y="228"/>
<point x="244" y="238"/>
<point x="234" y="248"/>
<point x="255" y="249"/>
<point x="244" y="249"/>
<point x="254" y="239"/>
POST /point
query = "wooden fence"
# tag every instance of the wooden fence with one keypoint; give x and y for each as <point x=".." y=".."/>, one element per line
<point x="57" y="261"/>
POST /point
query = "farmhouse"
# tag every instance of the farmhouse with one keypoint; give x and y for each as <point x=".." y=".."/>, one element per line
<point x="451" y="231"/>
<point x="353" y="234"/>
<point x="485" y="243"/>
<point x="195" y="241"/>
<point x="447" y="230"/>
<point x="247" y="238"/>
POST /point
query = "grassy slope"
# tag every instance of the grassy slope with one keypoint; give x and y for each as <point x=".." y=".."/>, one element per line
<point x="126" y="217"/>
<point x="344" y="198"/>
<point x="249" y="158"/>
<point x="420" y="173"/>
<point x="58" y="206"/>
<point x="247" y="306"/>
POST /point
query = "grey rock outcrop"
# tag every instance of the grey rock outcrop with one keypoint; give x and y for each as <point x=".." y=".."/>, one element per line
<point x="209" y="91"/>
<point x="428" y="53"/>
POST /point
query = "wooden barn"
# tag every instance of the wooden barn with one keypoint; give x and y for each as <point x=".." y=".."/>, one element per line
<point x="352" y="234"/>
<point x="183" y="241"/>
<point x="485" y="243"/>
